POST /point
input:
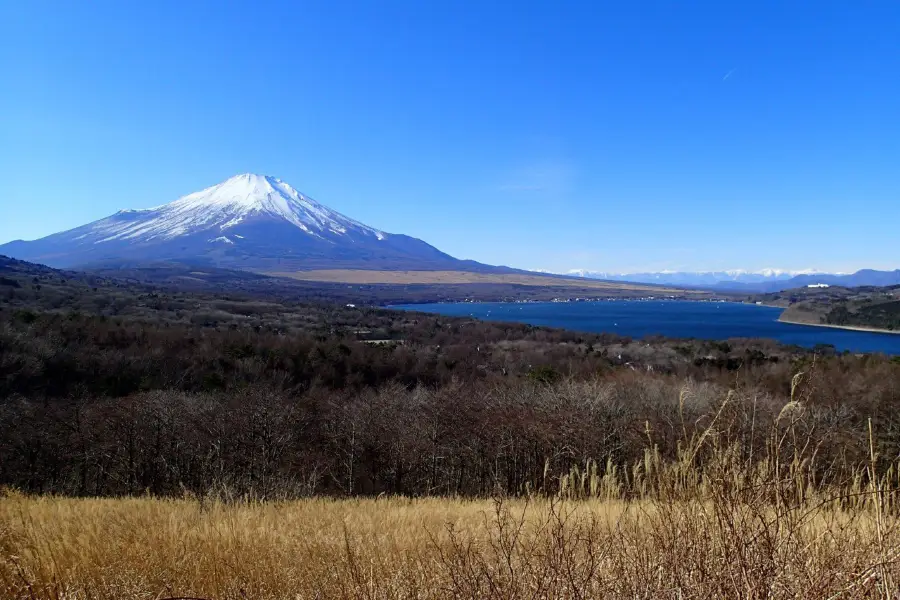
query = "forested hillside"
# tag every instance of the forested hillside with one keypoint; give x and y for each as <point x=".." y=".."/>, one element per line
<point x="118" y="388"/>
<point x="866" y="307"/>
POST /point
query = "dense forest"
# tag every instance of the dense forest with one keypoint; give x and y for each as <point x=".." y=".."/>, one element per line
<point x="883" y="314"/>
<point x="116" y="386"/>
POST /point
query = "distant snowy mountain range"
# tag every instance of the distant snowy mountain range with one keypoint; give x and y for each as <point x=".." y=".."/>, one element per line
<point x="249" y="221"/>
<point x="697" y="277"/>
<point x="741" y="280"/>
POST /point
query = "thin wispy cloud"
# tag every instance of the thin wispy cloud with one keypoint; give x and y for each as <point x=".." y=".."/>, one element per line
<point x="552" y="177"/>
<point x="520" y="187"/>
<point x="728" y="74"/>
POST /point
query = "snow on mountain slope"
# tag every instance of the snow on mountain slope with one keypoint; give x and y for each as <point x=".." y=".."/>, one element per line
<point x="248" y="221"/>
<point x="224" y="206"/>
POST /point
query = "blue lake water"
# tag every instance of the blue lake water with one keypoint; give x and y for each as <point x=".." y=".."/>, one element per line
<point x="637" y="319"/>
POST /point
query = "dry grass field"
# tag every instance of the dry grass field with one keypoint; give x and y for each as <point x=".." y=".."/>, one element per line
<point x="435" y="548"/>
<point x="457" y="277"/>
<point x="738" y="530"/>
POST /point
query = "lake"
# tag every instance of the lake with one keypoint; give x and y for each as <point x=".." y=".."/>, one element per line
<point x="675" y="319"/>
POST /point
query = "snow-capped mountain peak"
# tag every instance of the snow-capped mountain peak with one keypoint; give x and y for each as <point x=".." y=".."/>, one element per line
<point x="240" y="199"/>
<point x="249" y="221"/>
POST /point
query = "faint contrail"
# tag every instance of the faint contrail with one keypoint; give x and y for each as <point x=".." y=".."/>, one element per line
<point x="728" y="74"/>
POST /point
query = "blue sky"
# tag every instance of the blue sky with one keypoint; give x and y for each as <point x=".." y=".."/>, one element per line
<point x="614" y="136"/>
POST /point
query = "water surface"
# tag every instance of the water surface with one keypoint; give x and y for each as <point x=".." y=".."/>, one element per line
<point x="676" y="319"/>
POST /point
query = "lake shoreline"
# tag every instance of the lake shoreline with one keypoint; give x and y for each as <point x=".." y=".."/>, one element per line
<point x="845" y="327"/>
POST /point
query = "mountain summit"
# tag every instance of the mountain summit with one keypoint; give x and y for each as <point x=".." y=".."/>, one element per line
<point x="248" y="221"/>
<point x="224" y="207"/>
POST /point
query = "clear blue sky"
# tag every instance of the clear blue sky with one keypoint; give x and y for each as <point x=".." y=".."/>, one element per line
<point x="605" y="135"/>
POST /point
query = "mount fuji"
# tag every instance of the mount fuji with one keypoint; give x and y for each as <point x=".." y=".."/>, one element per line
<point x="249" y="221"/>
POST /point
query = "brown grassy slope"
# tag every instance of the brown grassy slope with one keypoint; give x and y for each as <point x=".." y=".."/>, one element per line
<point x="802" y="314"/>
<point x="439" y="277"/>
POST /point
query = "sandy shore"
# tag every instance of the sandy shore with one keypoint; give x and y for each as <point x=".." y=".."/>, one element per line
<point x="848" y="327"/>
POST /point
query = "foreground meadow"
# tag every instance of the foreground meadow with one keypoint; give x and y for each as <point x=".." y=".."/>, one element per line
<point x="717" y="547"/>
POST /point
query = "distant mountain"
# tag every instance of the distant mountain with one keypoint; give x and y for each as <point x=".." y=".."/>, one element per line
<point x="696" y="278"/>
<point x="766" y="280"/>
<point x="252" y="222"/>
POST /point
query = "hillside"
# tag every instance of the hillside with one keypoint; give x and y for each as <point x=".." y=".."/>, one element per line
<point x="617" y="288"/>
<point x="220" y="369"/>
<point x="876" y="308"/>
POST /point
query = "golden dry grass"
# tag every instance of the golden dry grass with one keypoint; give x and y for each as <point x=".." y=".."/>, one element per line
<point x="457" y="277"/>
<point x="439" y="548"/>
